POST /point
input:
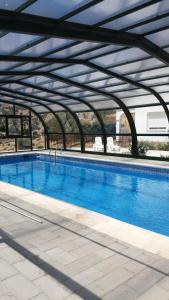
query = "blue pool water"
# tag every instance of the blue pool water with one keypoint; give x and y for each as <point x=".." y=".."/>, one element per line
<point x="133" y="194"/>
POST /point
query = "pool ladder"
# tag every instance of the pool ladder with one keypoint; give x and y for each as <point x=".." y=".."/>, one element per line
<point x="57" y="151"/>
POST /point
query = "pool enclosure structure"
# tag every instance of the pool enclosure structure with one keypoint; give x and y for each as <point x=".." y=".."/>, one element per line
<point x="80" y="75"/>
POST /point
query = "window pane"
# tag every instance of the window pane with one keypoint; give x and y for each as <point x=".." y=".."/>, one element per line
<point x="56" y="141"/>
<point x="26" y="126"/>
<point x="155" y="146"/>
<point x="14" y="126"/>
<point x="73" y="142"/>
<point x="51" y="123"/>
<point x="7" y="145"/>
<point x="94" y="143"/>
<point x="119" y="144"/>
<point x="23" y="144"/>
<point x="89" y="122"/>
<point x="2" y="126"/>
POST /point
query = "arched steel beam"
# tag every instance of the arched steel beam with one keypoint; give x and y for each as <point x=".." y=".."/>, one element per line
<point x="48" y="27"/>
<point x="130" y="81"/>
<point x="90" y="65"/>
<point x="75" y="117"/>
<point x="76" y="99"/>
<point x="85" y="87"/>
<point x="27" y="107"/>
<point x="43" y="105"/>
<point x="93" y="66"/>
<point x="110" y="96"/>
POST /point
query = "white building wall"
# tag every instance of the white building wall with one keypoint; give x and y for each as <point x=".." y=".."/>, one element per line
<point x="141" y="122"/>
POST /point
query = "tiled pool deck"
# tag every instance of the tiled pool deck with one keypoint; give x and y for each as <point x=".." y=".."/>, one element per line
<point x="76" y="254"/>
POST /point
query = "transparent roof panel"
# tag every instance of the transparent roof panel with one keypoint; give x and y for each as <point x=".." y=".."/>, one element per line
<point x="13" y="41"/>
<point x="163" y="88"/>
<point x="150" y="26"/>
<point x="91" y="77"/>
<point x="75" y="50"/>
<point x="138" y="65"/>
<point x="131" y="93"/>
<point x="102" y="11"/>
<point x="53" y="9"/>
<point x="142" y="100"/>
<point x="142" y="75"/>
<point x="7" y="65"/>
<point x="99" y="51"/>
<point x="44" y="47"/>
<point x="56" y="107"/>
<point x="104" y="104"/>
<point x="72" y="70"/>
<point x="122" y="56"/>
<point x="140" y="15"/>
<point x="11" y="4"/>
<point x="159" y="38"/>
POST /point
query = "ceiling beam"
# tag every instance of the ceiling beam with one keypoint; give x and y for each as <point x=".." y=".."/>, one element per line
<point x="36" y="25"/>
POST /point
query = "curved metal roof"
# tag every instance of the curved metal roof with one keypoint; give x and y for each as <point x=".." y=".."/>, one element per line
<point x="83" y="55"/>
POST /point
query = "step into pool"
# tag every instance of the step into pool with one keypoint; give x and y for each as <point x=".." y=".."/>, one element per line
<point x="138" y="195"/>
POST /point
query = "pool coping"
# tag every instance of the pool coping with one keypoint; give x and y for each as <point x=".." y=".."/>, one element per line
<point x="93" y="157"/>
<point x="131" y="234"/>
<point x="125" y="232"/>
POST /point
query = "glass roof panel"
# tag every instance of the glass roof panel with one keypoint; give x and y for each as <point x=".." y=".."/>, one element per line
<point x="164" y="88"/>
<point x="150" y="82"/>
<point x="130" y="93"/>
<point x="103" y="49"/>
<point x="72" y="70"/>
<point x="139" y="65"/>
<point x="91" y="76"/>
<point x="46" y="46"/>
<point x="122" y="56"/>
<point x="142" y="100"/>
<point x="151" y="26"/>
<point x="7" y="65"/>
<point x="11" y="4"/>
<point x="13" y="41"/>
<point x="160" y="38"/>
<point x="140" y="15"/>
<point x="54" y="8"/>
<point x="104" y="104"/>
<point x="56" y="107"/>
<point x="74" y="50"/>
<point x="142" y="75"/>
<point x="103" y="10"/>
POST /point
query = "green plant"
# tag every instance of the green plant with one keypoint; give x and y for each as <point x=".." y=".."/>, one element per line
<point x="143" y="147"/>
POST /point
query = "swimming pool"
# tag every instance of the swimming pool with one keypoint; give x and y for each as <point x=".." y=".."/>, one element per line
<point x="134" y="194"/>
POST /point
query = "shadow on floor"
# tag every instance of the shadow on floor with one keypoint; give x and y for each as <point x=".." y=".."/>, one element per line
<point x="59" y="276"/>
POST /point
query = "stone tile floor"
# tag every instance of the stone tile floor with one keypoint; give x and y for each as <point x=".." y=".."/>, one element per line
<point x="62" y="259"/>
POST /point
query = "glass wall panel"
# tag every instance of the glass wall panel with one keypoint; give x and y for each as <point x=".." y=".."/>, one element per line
<point x="155" y="146"/>
<point x="73" y="142"/>
<point x="26" y="126"/>
<point x="14" y="126"/>
<point x="21" y="111"/>
<point x="68" y="122"/>
<point x="51" y="123"/>
<point x="6" y="109"/>
<point x="119" y="144"/>
<point x="23" y="144"/>
<point x="2" y="126"/>
<point x="89" y="122"/>
<point x="109" y="119"/>
<point x="56" y="141"/>
<point x="38" y="140"/>
<point x="7" y="145"/>
<point x="94" y="143"/>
